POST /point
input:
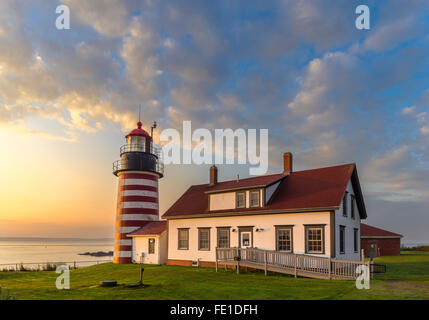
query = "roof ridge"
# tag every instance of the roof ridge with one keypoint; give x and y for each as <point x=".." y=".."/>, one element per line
<point x="241" y="179"/>
<point x="336" y="166"/>
<point x="273" y="174"/>
<point x="383" y="230"/>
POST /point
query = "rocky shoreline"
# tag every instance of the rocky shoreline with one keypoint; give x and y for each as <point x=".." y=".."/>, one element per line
<point x="98" y="254"/>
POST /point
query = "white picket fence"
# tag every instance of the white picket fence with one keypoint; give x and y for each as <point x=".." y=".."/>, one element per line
<point x="42" y="266"/>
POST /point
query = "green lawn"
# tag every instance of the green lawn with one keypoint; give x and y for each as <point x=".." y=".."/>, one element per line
<point x="407" y="278"/>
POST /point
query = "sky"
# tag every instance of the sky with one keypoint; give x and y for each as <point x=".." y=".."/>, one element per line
<point x="326" y="91"/>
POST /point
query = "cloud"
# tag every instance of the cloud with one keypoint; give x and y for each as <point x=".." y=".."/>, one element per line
<point x="424" y="130"/>
<point x="107" y="17"/>
<point x="389" y="35"/>
<point x="409" y="110"/>
<point x="290" y="66"/>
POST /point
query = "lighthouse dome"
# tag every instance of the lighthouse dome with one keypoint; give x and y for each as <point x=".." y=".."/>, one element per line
<point x="139" y="132"/>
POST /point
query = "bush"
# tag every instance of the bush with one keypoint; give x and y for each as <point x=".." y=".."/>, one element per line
<point x="50" y="267"/>
<point x="22" y="268"/>
<point x="418" y="248"/>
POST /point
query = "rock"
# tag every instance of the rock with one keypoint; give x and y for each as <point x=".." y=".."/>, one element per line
<point x="97" y="254"/>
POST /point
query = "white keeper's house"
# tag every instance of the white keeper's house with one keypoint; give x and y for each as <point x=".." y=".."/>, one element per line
<point x="314" y="212"/>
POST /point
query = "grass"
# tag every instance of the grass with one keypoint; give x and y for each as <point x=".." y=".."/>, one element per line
<point x="407" y="278"/>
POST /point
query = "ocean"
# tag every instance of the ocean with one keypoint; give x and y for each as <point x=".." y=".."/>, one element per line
<point x="42" y="250"/>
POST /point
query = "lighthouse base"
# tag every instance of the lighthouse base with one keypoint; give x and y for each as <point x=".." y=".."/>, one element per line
<point x="119" y="260"/>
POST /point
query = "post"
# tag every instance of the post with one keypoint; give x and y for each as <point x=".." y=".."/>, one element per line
<point x="371" y="274"/>
<point x="238" y="266"/>
<point x="74" y="265"/>
<point x="295" y="262"/>
<point x="265" y="262"/>
<point x="362" y="254"/>
<point x="330" y="277"/>
<point x="217" y="263"/>
<point x="141" y="276"/>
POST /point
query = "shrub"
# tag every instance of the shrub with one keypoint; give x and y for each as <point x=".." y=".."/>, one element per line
<point x="418" y="248"/>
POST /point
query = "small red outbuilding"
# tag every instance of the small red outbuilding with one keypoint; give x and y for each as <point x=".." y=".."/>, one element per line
<point x="379" y="242"/>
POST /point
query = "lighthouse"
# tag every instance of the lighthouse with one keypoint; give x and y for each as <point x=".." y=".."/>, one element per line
<point x="138" y="171"/>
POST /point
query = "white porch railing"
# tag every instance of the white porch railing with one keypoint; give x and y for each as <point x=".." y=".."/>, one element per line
<point x="289" y="263"/>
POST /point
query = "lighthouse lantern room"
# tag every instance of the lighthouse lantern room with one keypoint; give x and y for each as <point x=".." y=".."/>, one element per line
<point x="138" y="171"/>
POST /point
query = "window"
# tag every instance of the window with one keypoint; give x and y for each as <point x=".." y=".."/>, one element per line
<point x="223" y="238"/>
<point x="245" y="239"/>
<point x="355" y="240"/>
<point x="315" y="239"/>
<point x="284" y="239"/>
<point x="183" y="239"/>
<point x="245" y="236"/>
<point x="204" y="239"/>
<point x="151" y="245"/>
<point x="254" y="198"/>
<point x="345" y="204"/>
<point x="352" y="205"/>
<point x="342" y="239"/>
<point x="241" y="200"/>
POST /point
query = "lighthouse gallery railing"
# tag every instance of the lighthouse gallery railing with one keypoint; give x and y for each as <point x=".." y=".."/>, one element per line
<point x="140" y="147"/>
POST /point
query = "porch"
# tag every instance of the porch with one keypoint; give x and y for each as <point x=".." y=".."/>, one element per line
<point x="288" y="263"/>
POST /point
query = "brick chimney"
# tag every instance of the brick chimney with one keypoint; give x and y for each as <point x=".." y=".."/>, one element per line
<point x="213" y="175"/>
<point x="287" y="162"/>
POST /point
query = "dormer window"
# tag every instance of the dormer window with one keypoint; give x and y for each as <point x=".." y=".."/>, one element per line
<point x="254" y="198"/>
<point x="241" y="199"/>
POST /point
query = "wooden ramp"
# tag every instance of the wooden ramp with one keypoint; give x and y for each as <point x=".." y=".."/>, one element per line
<point x="288" y="263"/>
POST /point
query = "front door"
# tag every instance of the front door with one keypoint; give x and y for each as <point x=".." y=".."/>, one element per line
<point x="372" y="249"/>
<point x="246" y="239"/>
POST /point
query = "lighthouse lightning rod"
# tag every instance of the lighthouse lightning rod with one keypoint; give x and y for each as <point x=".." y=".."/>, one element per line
<point x="151" y="128"/>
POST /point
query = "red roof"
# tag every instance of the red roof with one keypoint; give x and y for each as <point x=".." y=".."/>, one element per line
<point x="155" y="227"/>
<point x="370" y="231"/>
<point x="261" y="181"/>
<point x="317" y="189"/>
<point x="139" y="132"/>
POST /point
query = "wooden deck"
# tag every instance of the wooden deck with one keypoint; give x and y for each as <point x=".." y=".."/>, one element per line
<point x="288" y="263"/>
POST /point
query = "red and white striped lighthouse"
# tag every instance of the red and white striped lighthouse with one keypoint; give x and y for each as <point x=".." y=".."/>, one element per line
<point x="138" y="171"/>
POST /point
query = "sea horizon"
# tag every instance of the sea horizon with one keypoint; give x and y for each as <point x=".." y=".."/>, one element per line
<point x="15" y="250"/>
<point x="53" y="239"/>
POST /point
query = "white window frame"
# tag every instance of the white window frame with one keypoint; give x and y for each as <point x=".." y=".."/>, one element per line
<point x="243" y="193"/>
<point x="280" y="229"/>
<point x="252" y="192"/>
<point x="186" y="230"/>
<point x="322" y="239"/>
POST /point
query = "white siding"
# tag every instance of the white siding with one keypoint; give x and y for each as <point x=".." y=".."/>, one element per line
<point x="265" y="239"/>
<point x="350" y="224"/>
<point x="163" y="248"/>
<point x="222" y="201"/>
<point x="227" y="200"/>
<point x="141" y="245"/>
